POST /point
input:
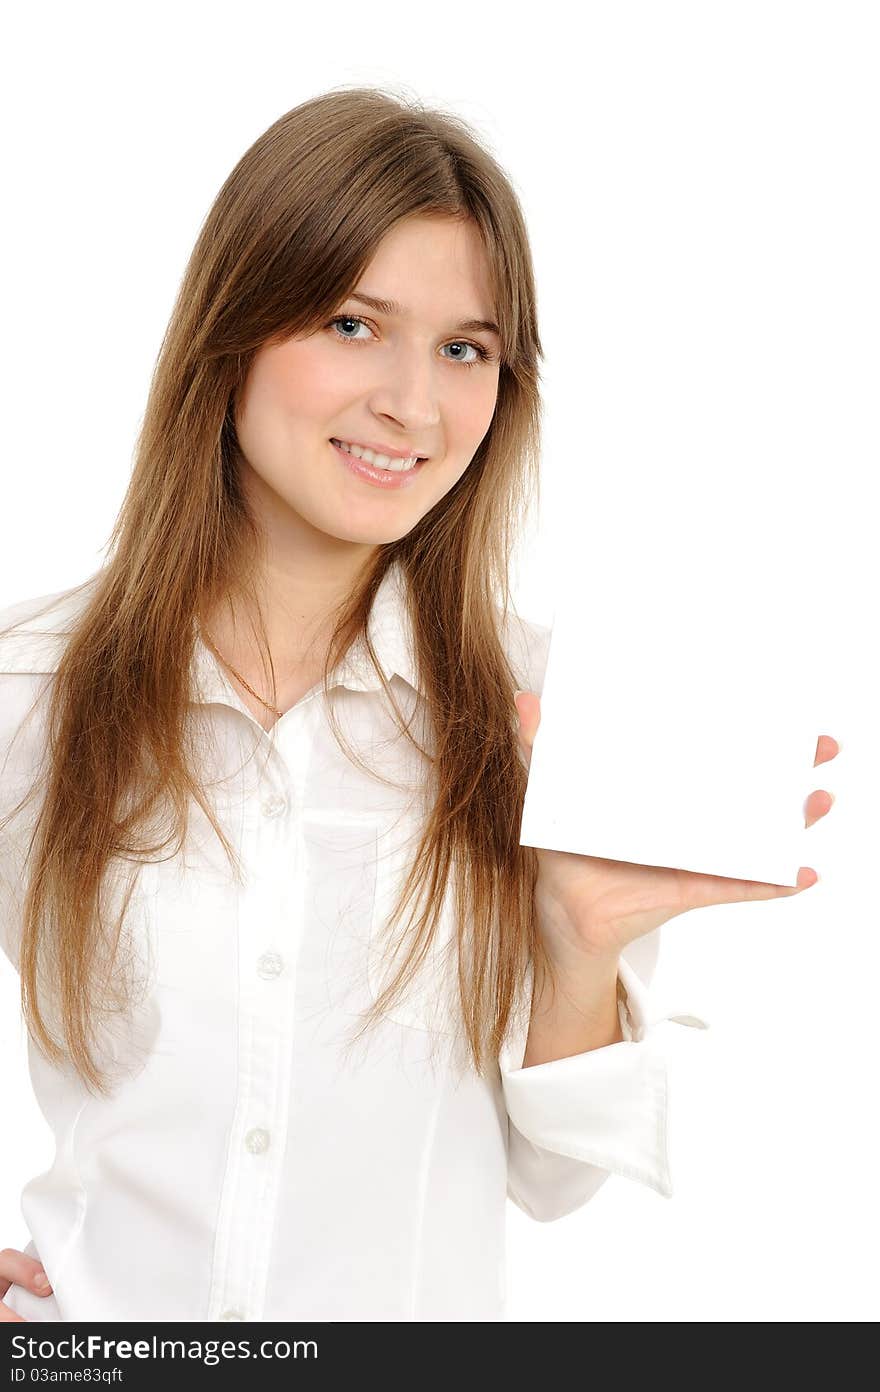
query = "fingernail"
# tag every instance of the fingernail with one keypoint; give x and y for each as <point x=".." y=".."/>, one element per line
<point x="518" y="693"/>
<point x="41" y="1281"/>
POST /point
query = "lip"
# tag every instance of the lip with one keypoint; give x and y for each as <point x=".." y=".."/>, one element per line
<point x="381" y="449"/>
<point x="379" y="478"/>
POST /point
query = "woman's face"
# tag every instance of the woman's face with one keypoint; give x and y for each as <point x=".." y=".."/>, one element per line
<point x="413" y="380"/>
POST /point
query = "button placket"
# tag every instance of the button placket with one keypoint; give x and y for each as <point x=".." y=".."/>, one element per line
<point x="269" y="905"/>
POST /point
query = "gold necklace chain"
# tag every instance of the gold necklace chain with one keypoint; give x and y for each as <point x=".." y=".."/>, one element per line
<point x="274" y="709"/>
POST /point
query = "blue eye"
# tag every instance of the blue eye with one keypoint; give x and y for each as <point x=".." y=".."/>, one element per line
<point x="347" y="319"/>
<point x="483" y="355"/>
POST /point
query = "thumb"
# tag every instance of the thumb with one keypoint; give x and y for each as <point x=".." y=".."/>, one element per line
<point x="528" y="707"/>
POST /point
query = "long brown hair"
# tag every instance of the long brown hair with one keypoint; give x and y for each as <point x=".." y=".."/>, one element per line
<point x="286" y="239"/>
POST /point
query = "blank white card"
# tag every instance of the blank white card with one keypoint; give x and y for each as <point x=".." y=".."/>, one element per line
<point x="674" y="731"/>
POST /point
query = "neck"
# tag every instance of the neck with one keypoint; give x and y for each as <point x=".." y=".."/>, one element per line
<point x="306" y="575"/>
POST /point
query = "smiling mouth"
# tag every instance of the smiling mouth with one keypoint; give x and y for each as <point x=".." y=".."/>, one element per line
<point x="391" y="465"/>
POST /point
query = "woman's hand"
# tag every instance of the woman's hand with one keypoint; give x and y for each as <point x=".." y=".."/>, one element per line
<point x="588" y="905"/>
<point x="22" y="1270"/>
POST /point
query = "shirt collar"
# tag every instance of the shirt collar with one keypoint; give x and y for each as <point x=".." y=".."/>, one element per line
<point x="390" y="632"/>
<point x="39" y="644"/>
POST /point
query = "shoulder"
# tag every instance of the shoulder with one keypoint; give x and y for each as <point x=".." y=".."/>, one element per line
<point x="33" y="631"/>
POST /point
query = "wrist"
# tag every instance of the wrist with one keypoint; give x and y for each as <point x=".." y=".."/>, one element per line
<point x="577" y="1013"/>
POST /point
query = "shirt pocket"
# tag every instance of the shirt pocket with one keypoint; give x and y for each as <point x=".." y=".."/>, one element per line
<point x="186" y="912"/>
<point x="429" y="1001"/>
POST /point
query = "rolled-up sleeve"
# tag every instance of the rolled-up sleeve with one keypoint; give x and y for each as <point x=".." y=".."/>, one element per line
<point x="575" y="1121"/>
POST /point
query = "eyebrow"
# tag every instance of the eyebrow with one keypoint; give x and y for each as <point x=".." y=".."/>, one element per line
<point x="391" y="307"/>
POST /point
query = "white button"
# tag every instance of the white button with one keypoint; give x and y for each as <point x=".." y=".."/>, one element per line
<point x="273" y="805"/>
<point x="270" y="965"/>
<point x="231" y="1315"/>
<point x="257" y="1140"/>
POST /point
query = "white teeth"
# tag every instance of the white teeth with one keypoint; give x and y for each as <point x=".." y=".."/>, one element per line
<point x="379" y="461"/>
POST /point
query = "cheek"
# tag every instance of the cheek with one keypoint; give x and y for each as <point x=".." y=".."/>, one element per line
<point x="305" y="380"/>
<point x="311" y="383"/>
<point x="477" y="410"/>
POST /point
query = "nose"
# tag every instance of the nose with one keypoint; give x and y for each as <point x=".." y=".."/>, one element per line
<point x="409" y="394"/>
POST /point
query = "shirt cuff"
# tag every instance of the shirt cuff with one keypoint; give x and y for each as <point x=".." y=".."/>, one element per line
<point x="639" y="1013"/>
<point x="608" y="1106"/>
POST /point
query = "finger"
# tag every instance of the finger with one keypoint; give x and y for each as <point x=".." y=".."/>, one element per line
<point x="23" y="1270"/>
<point x="8" y="1316"/>
<point x="817" y="805"/>
<point x="757" y="889"/>
<point x="699" y="891"/>
<point x="806" y="878"/>
<point x="826" y="748"/>
<point x="528" y="707"/>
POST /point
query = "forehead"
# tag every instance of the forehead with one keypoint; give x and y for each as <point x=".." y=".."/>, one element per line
<point x="425" y="259"/>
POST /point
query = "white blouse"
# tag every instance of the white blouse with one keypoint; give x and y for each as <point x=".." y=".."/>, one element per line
<point x="253" y="1163"/>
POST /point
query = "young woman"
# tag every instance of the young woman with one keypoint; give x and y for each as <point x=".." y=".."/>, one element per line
<point x="281" y="714"/>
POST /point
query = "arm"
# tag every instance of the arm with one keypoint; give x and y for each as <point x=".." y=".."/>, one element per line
<point x="580" y="1016"/>
<point x="584" y="1099"/>
<point x="575" y="1119"/>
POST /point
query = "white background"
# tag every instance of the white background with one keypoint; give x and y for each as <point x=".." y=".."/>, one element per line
<point x="700" y="186"/>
